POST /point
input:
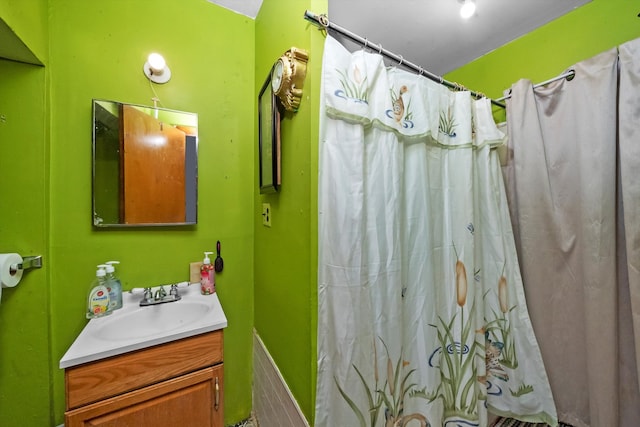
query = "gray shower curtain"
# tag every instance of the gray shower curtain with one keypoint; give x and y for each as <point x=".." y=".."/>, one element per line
<point x="574" y="194"/>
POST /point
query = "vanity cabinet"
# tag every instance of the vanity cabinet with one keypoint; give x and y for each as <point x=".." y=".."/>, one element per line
<point x="174" y="384"/>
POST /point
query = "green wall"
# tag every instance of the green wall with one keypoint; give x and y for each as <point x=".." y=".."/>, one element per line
<point x="24" y="310"/>
<point x="286" y="254"/>
<point x="546" y="52"/>
<point x="24" y="30"/>
<point x="210" y="52"/>
<point x="96" y="50"/>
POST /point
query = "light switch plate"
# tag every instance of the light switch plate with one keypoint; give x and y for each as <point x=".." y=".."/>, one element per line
<point x="266" y="214"/>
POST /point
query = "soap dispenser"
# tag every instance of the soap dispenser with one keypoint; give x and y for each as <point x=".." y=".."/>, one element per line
<point x="114" y="286"/>
<point x="98" y="300"/>
<point x="207" y="276"/>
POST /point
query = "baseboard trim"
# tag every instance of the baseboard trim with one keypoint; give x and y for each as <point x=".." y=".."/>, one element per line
<point x="273" y="402"/>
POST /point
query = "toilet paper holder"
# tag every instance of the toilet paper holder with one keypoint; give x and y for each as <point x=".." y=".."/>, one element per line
<point x="27" y="263"/>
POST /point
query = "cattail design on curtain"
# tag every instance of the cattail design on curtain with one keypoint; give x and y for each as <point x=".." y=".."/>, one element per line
<point x="421" y="313"/>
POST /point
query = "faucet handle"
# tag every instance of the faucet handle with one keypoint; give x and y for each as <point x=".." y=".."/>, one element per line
<point x="148" y="295"/>
<point x="174" y="290"/>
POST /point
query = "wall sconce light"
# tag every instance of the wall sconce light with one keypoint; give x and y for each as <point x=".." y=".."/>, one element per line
<point x="156" y="69"/>
<point x="468" y="9"/>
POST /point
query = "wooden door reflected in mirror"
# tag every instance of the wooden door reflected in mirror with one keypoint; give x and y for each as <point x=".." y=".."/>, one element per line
<point x="145" y="163"/>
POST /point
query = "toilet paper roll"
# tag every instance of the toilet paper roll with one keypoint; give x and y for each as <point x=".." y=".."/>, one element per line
<point x="10" y="277"/>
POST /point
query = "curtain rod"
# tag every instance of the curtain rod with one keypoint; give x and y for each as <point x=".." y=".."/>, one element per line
<point x="323" y="21"/>
<point x="569" y="75"/>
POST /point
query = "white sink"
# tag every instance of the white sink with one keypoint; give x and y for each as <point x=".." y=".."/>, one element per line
<point x="151" y="320"/>
<point x="134" y="327"/>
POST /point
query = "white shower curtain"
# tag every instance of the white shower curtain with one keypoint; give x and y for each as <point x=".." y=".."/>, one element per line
<point x="573" y="210"/>
<point x="421" y="311"/>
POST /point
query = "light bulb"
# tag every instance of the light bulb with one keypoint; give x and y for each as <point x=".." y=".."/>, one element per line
<point x="468" y="9"/>
<point x="156" y="69"/>
<point x="156" y="63"/>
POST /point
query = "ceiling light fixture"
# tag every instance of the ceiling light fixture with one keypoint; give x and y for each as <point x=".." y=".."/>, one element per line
<point x="156" y="69"/>
<point x="468" y="9"/>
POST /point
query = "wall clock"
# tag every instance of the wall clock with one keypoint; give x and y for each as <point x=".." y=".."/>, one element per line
<point x="287" y="77"/>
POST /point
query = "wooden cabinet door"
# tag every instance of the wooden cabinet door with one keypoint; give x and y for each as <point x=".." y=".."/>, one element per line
<point x="192" y="400"/>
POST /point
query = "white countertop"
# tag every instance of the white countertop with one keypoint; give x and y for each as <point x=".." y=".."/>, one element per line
<point x="133" y="327"/>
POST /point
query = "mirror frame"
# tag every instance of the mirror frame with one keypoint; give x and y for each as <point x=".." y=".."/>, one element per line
<point x="191" y="165"/>
<point x="268" y="140"/>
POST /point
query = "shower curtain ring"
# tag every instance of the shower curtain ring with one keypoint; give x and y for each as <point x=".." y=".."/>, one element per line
<point x="401" y="60"/>
<point x="380" y="49"/>
<point x="420" y="71"/>
<point x="324" y="20"/>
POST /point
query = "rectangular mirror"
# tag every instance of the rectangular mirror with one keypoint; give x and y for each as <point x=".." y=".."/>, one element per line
<point x="145" y="165"/>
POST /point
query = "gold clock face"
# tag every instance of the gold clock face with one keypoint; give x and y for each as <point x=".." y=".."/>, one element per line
<point x="276" y="76"/>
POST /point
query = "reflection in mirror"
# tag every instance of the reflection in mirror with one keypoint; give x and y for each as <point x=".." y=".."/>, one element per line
<point x="145" y="162"/>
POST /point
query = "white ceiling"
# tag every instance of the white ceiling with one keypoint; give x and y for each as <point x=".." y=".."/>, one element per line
<point x="430" y="33"/>
<point x="248" y="8"/>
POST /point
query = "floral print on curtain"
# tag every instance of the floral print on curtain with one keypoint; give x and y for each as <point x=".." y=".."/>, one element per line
<point x="421" y="312"/>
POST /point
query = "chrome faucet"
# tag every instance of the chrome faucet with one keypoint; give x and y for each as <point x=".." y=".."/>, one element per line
<point x="160" y="296"/>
